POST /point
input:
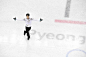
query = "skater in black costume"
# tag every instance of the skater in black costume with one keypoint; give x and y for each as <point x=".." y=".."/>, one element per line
<point x="28" y="21"/>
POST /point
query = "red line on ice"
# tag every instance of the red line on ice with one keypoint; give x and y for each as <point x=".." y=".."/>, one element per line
<point x="70" y="21"/>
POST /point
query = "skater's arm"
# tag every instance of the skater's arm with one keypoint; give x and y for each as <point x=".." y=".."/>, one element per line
<point x="18" y="19"/>
<point x="34" y="19"/>
<point x="37" y="19"/>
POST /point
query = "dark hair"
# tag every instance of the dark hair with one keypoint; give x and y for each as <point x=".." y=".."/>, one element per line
<point x="27" y="14"/>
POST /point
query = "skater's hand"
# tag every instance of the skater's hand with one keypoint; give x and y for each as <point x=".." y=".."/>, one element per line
<point x="41" y="19"/>
<point x="14" y="18"/>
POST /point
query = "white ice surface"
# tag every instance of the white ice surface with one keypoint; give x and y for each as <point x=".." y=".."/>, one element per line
<point x="14" y="44"/>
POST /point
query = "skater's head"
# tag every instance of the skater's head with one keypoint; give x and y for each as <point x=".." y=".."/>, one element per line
<point x="27" y="15"/>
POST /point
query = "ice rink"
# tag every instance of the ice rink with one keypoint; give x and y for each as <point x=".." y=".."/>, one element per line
<point x="48" y="38"/>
